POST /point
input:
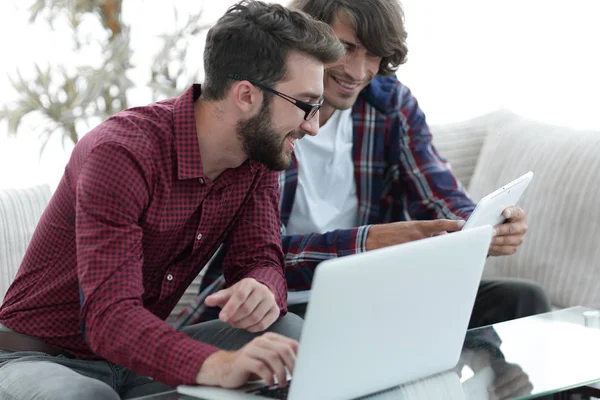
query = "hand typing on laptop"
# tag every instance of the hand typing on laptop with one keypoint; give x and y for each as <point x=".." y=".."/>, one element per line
<point x="248" y="305"/>
<point x="265" y="357"/>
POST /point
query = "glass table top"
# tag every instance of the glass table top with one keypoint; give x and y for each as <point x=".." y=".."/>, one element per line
<point x="543" y="354"/>
<point x="520" y="359"/>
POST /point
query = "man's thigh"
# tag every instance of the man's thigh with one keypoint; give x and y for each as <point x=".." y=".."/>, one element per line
<point x="223" y="336"/>
<point x="504" y="299"/>
<point x="33" y="375"/>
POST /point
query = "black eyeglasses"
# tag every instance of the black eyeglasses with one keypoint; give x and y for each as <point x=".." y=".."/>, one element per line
<point x="309" y="109"/>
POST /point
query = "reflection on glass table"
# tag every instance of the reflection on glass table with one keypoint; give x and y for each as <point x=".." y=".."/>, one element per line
<point x="527" y="358"/>
<point x="531" y="357"/>
<point x="484" y="371"/>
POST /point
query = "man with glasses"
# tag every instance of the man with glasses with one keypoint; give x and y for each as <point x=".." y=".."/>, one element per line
<point x="309" y="109"/>
<point x="146" y="199"/>
<point x="372" y="177"/>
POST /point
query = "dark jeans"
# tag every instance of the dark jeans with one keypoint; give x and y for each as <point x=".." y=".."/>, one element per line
<point x="500" y="300"/>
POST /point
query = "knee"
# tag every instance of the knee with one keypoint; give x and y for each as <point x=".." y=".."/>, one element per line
<point x="530" y="294"/>
<point x="538" y="298"/>
<point x="289" y="325"/>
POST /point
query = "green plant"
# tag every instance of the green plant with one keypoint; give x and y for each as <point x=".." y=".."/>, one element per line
<point x="68" y="100"/>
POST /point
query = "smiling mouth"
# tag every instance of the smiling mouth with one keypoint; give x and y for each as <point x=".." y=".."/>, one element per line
<point x="345" y="84"/>
<point x="292" y="142"/>
<point x="291" y="138"/>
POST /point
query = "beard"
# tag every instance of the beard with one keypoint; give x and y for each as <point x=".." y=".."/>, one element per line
<point x="261" y="142"/>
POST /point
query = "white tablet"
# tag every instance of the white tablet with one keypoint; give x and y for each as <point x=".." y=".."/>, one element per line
<point x="489" y="209"/>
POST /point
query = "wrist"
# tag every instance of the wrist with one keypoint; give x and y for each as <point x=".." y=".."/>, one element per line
<point x="371" y="238"/>
<point x="210" y="370"/>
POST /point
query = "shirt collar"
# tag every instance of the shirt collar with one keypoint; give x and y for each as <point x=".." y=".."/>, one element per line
<point x="381" y="93"/>
<point x="189" y="162"/>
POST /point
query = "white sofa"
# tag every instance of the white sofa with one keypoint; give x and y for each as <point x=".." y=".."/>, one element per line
<point x="562" y="247"/>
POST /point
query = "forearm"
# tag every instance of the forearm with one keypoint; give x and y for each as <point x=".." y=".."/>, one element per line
<point x="128" y="335"/>
<point x="303" y="253"/>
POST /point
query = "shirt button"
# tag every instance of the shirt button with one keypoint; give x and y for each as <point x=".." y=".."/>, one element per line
<point x="169" y="277"/>
<point x="201" y="180"/>
<point x="199" y="237"/>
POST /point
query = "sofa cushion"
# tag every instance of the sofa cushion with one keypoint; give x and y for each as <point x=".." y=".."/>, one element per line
<point x="461" y="142"/>
<point x="561" y="249"/>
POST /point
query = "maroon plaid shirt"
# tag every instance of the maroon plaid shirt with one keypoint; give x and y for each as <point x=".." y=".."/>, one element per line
<point x="130" y="225"/>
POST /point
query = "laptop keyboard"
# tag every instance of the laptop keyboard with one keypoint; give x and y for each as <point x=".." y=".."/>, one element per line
<point x="272" y="392"/>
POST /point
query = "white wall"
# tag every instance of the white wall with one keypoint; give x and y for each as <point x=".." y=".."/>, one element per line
<point x="540" y="58"/>
<point x="466" y="57"/>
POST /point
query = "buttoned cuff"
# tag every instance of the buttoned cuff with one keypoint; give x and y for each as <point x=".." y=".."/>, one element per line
<point x="361" y="238"/>
<point x="273" y="281"/>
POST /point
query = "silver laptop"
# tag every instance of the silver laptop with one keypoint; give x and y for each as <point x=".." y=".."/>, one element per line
<point x="380" y="319"/>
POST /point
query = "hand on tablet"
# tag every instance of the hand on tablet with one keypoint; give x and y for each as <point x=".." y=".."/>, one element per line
<point x="511" y="234"/>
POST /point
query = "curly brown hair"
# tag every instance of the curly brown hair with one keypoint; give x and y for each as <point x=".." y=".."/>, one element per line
<point x="378" y="24"/>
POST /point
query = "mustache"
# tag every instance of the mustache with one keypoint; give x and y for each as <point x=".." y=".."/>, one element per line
<point x="296" y="134"/>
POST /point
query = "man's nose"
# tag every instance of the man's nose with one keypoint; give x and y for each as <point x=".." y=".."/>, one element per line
<point x="311" y="127"/>
<point x="356" y="67"/>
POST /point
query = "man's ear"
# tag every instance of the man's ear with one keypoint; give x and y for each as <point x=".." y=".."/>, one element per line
<point x="246" y="97"/>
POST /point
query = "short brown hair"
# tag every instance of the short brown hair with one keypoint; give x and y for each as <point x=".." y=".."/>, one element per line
<point x="254" y="38"/>
<point x="379" y="25"/>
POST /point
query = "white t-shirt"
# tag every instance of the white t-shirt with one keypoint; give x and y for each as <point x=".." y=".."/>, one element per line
<point x="326" y="194"/>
